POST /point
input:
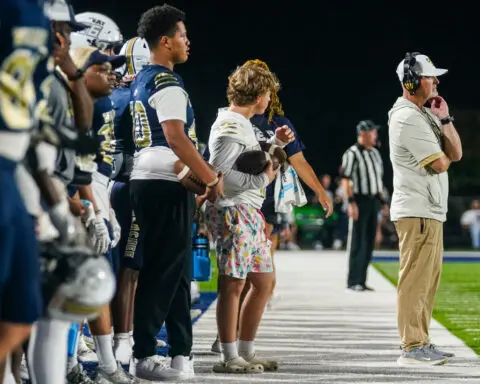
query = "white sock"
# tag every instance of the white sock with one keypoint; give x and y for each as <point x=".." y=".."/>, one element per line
<point x="229" y="351"/>
<point x="8" y="377"/>
<point x="246" y="348"/>
<point x="131" y="338"/>
<point x="122" y="348"/>
<point x="106" y="360"/>
<point x="47" y="351"/>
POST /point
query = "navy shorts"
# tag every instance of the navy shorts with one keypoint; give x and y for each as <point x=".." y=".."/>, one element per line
<point x="20" y="280"/>
<point x="271" y="217"/>
<point x="129" y="247"/>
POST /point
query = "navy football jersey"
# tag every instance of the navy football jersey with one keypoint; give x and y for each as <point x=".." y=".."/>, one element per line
<point x="102" y="129"/>
<point x="123" y="147"/>
<point x="265" y="130"/>
<point x="24" y="36"/>
<point x="148" y="131"/>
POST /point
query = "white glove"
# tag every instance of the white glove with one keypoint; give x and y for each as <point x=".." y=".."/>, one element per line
<point x="98" y="233"/>
<point x="89" y="215"/>
<point x="64" y="221"/>
<point x="116" y="229"/>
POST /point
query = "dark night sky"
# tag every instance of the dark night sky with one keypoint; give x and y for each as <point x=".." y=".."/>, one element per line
<point x="336" y="63"/>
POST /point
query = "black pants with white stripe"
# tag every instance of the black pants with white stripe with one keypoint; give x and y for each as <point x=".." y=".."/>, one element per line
<point x="362" y="239"/>
<point x="164" y="211"/>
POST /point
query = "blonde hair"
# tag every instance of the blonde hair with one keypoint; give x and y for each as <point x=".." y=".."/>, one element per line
<point x="248" y="83"/>
<point x="275" y="106"/>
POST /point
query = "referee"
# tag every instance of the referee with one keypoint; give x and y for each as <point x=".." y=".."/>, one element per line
<point x="362" y="173"/>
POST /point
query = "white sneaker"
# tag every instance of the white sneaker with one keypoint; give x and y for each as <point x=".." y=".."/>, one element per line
<point x="291" y="246"/>
<point x="150" y="368"/>
<point x="85" y="354"/>
<point x="184" y="365"/>
<point x="122" y="349"/>
<point x="117" y="377"/>
<point x="24" y="374"/>
<point x="88" y="340"/>
<point x="337" y="244"/>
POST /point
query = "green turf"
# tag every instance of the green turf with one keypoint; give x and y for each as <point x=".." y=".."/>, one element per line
<point x="457" y="304"/>
<point x="211" y="286"/>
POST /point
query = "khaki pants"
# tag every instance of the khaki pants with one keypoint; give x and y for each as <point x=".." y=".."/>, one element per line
<point x="421" y="247"/>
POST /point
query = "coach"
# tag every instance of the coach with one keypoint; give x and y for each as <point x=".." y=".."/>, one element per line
<point x="423" y="144"/>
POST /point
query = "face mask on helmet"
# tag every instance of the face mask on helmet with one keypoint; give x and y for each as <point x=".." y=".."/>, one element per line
<point x="138" y="55"/>
<point x="76" y="282"/>
<point x="103" y="32"/>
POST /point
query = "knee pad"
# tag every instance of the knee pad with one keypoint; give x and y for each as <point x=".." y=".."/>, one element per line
<point x="76" y="282"/>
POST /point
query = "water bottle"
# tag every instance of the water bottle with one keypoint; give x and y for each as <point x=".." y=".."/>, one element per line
<point x="72" y="339"/>
<point x="201" y="258"/>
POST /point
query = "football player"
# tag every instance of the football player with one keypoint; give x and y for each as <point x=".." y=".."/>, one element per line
<point x="24" y="33"/>
<point x="163" y="118"/>
<point x="138" y="55"/>
<point x="99" y="78"/>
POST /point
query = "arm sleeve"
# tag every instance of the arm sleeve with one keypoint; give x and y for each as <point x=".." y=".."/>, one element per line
<point x="348" y="161"/>
<point x="58" y="107"/>
<point x="226" y="152"/>
<point x="296" y="145"/>
<point x="170" y="104"/>
<point x="419" y="139"/>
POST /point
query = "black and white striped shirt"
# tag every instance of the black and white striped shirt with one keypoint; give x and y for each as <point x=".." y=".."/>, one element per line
<point x="365" y="168"/>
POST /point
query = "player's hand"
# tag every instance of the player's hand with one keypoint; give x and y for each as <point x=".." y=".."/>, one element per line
<point x="325" y="202"/>
<point x="77" y="207"/>
<point x="270" y="172"/>
<point x="212" y="193"/>
<point x="116" y="229"/>
<point x="284" y="134"/>
<point x="98" y="232"/>
<point x="439" y="107"/>
<point x="62" y="56"/>
<point x="352" y="211"/>
<point x="64" y="222"/>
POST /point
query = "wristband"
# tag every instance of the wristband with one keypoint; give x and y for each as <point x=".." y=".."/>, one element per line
<point x="446" y="120"/>
<point x="214" y="182"/>
<point x="78" y="75"/>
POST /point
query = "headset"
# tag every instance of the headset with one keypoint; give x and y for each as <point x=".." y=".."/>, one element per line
<point x="411" y="81"/>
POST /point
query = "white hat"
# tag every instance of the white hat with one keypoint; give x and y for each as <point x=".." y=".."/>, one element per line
<point x="423" y="67"/>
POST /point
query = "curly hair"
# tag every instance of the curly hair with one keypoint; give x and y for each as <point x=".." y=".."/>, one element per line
<point x="248" y="83"/>
<point x="275" y="107"/>
<point x="159" y="21"/>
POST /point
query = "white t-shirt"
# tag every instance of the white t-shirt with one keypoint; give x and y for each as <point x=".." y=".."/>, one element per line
<point x="413" y="145"/>
<point x="231" y="135"/>
<point x="471" y="218"/>
<point x="158" y="162"/>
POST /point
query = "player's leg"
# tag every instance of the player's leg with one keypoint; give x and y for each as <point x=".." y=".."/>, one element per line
<point x="262" y="278"/>
<point x="101" y="327"/>
<point x="130" y="262"/>
<point x="164" y="215"/>
<point x="21" y="302"/>
<point x="233" y="245"/>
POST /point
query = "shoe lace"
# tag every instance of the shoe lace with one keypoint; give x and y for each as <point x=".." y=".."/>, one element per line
<point x="160" y="361"/>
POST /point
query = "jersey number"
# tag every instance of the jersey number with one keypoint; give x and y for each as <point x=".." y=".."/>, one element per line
<point x="107" y="145"/>
<point x="17" y="91"/>
<point x="142" y="135"/>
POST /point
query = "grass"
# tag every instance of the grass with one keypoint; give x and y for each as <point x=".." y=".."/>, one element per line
<point x="457" y="304"/>
<point x="211" y="286"/>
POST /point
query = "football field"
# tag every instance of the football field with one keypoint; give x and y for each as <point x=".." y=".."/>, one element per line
<point x="320" y="333"/>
